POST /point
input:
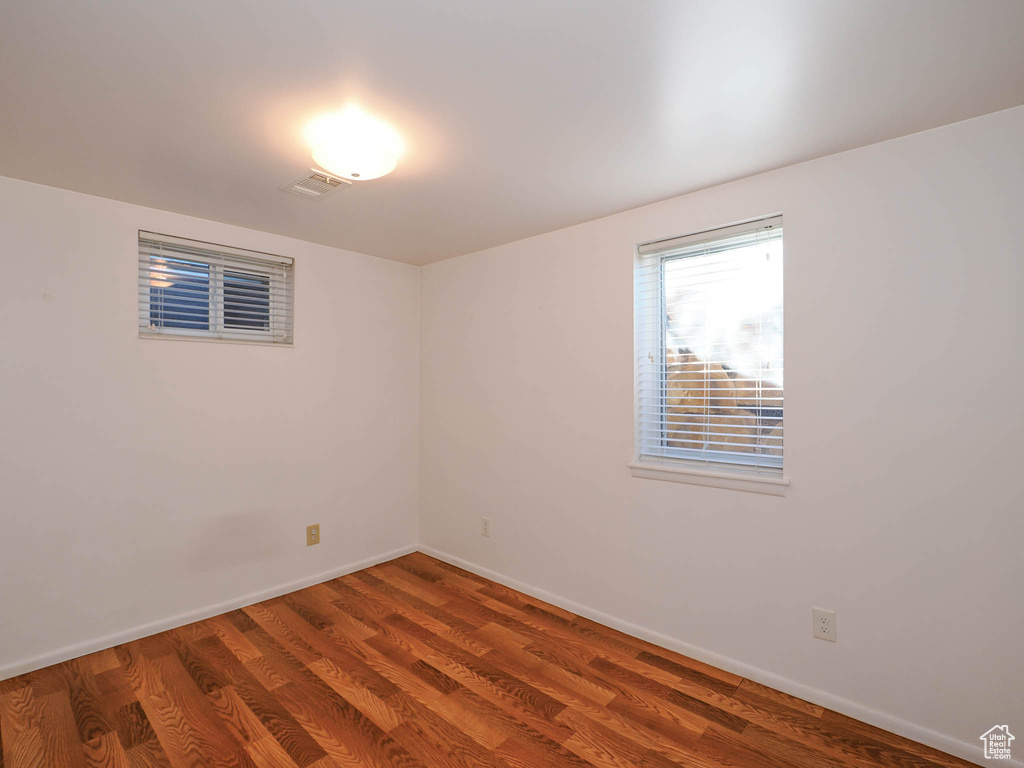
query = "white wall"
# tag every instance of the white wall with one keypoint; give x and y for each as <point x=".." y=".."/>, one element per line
<point x="903" y="434"/>
<point x="142" y="480"/>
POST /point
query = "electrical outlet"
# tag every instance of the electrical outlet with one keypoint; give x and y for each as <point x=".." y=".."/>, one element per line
<point x="312" y="534"/>
<point x="485" y="526"/>
<point x="824" y="624"/>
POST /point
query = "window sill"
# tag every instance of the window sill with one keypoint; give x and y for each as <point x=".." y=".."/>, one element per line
<point x="733" y="481"/>
<point x="214" y="339"/>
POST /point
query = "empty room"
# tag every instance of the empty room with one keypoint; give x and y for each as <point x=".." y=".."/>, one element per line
<point x="534" y="384"/>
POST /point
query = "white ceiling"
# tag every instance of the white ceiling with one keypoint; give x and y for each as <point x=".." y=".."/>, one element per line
<point x="519" y="116"/>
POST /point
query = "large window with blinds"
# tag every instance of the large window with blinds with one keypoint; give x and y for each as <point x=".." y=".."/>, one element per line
<point x="709" y="347"/>
<point x="189" y="288"/>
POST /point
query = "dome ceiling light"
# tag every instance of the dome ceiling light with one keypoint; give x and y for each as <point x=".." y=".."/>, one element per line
<point x="354" y="145"/>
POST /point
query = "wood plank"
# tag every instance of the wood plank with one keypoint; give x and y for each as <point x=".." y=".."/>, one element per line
<point x="418" y="664"/>
<point x="690" y="672"/>
<point x="267" y="753"/>
<point x="488" y="680"/>
<point x="185" y="722"/>
<point x="60" y="742"/>
<point x="451" y="576"/>
<point x="521" y="752"/>
<point x="278" y="721"/>
<point x="26" y="750"/>
<point x="436" y="742"/>
<point x="241" y="722"/>
<point x="371" y="705"/>
<point x="20" y="712"/>
<point x="234" y="639"/>
<point x="762" y="695"/>
<point x="347" y="736"/>
<point x="85" y="697"/>
<point x="105" y="751"/>
<point x="604" y="747"/>
<point x="99" y="662"/>
<point x="437" y="620"/>
<point x="729" y="750"/>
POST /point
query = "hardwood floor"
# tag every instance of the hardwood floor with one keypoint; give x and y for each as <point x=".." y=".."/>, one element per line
<point x="417" y="663"/>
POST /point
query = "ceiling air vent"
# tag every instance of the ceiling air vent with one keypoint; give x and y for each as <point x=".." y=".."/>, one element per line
<point x="315" y="184"/>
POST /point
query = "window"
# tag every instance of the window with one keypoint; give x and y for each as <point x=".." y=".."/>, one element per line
<point x="190" y="288"/>
<point x="709" y="349"/>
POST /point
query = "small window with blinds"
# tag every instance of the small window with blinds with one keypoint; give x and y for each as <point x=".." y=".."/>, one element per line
<point x="709" y="349"/>
<point x="193" y="289"/>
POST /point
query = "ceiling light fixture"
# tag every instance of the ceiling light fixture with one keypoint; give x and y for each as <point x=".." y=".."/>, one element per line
<point x="354" y="145"/>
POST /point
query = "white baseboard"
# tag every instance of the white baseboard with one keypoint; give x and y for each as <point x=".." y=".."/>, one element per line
<point x="144" y="630"/>
<point x="822" y="698"/>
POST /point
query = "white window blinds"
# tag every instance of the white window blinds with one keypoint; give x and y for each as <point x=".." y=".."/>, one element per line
<point x="709" y="348"/>
<point x="191" y="288"/>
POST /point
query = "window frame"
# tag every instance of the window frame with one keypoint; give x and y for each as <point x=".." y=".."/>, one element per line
<point x="725" y="469"/>
<point x="217" y="260"/>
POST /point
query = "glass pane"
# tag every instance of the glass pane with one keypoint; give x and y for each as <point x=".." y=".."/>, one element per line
<point x="246" y="301"/>
<point x="723" y="338"/>
<point x="179" y="294"/>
